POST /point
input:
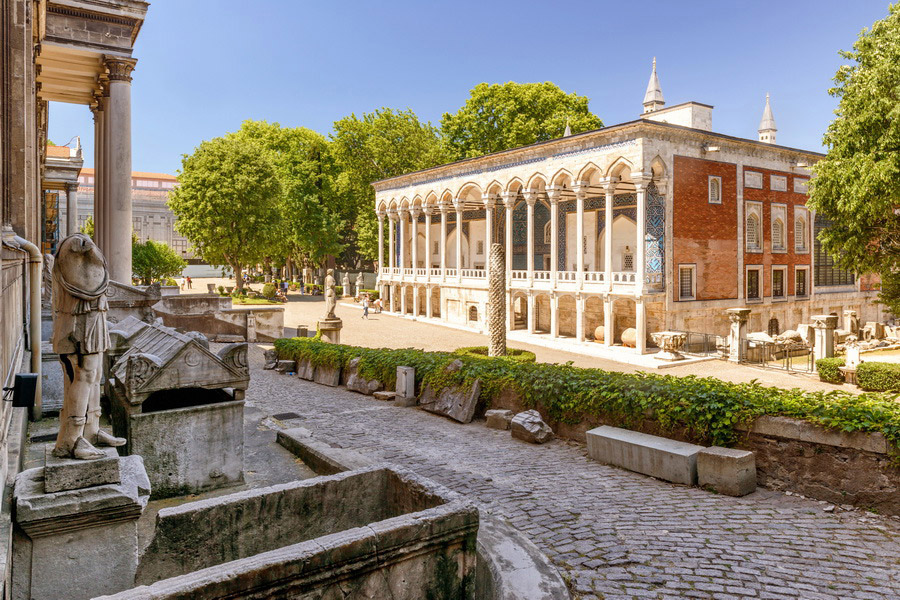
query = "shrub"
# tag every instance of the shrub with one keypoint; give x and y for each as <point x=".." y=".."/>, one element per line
<point x="313" y="288"/>
<point x="878" y="376"/>
<point x="828" y="369"/>
<point x="339" y="290"/>
<point x="171" y="281"/>
<point x="511" y="353"/>
<point x="268" y="290"/>
<point x="704" y="410"/>
<point x="221" y="289"/>
<point x="373" y="294"/>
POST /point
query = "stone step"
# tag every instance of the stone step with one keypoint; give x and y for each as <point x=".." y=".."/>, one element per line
<point x="658" y="457"/>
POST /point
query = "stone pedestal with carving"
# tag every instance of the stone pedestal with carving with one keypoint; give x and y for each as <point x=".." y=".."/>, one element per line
<point x="670" y="344"/>
<point x="739" y="318"/>
<point x="80" y="541"/>
<point x="824" y="326"/>
<point x="331" y="330"/>
<point x="851" y="322"/>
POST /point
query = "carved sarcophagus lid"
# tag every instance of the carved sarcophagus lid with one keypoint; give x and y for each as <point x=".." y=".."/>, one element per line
<point x="160" y="358"/>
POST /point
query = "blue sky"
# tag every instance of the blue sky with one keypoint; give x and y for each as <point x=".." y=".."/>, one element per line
<point x="206" y="65"/>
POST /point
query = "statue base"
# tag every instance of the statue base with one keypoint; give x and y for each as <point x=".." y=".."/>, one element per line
<point x="331" y="330"/>
<point x="82" y="540"/>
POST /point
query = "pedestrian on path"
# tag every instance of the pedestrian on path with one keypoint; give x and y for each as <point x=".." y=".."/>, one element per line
<point x="378" y="306"/>
<point x="188" y="279"/>
<point x="365" y="304"/>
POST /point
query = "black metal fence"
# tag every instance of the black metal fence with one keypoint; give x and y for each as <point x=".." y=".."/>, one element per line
<point x="702" y="344"/>
<point x="790" y="356"/>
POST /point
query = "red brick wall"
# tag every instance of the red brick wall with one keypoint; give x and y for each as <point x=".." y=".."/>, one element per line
<point x="767" y="258"/>
<point x="705" y="234"/>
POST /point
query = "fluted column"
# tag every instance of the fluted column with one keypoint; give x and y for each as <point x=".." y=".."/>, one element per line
<point x="392" y="250"/>
<point x="458" y="206"/>
<point x="414" y="235"/>
<point x="608" y="236"/>
<point x="428" y="210"/>
<point x="489" y="202"/>
<point x="444" y="209"/>
<point x="118" y="253"/>
<point x="580" y="190"/>
<point x="553" y="194"/>
<point x="530" y="199"/>
<point x="404" y="215"/>
<point x="71" y="207"/>
<point x="380" y="242"/>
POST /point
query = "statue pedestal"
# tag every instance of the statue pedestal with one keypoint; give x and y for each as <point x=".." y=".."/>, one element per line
<point x="670" y="344"/>
<point x="80" y="541"/>
<point x="331" y="330"/>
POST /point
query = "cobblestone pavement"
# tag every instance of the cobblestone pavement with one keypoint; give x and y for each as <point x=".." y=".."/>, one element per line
<point x="614" y="534"/>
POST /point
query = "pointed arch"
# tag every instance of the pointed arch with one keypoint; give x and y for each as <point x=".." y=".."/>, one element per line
<point x="537" y="182"/>
<point x="658" y="168"/>
<point x="494" y="188"/>
<point x="469" y="191"/>
<point x="417" y="200"/>
<point x="562" y="177"/>
<point x="590" y="173"/>
<point x="621" y="167"/>
<point x="514" y="185"/>
<point x="431" y="199"/>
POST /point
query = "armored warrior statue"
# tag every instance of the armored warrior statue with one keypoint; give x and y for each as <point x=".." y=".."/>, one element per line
<point x="80" y="336"/>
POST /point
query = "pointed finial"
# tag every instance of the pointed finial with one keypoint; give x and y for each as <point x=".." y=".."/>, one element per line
<point x="653" y="99"/>
<point x="568" y="130"/>
<point x="767" y="128"/>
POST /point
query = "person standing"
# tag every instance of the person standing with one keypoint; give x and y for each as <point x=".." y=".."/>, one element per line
<point x="188" y="278"/>
<point x="365" y="304"/>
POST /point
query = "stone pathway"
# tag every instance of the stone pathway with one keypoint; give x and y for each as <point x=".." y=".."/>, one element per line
<point x="613" y="534"/>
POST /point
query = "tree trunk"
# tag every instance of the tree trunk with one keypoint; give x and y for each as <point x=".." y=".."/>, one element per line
<point x="238" y="279"/>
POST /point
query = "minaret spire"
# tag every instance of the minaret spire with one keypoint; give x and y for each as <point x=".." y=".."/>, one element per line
<point x="568" y="130"/>
<point x="653" y="99"/>
<point x="767" y="127"/>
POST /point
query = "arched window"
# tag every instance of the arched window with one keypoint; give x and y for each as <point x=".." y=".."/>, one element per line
<point x="753" y="231"/>
<point x="778" y="235"/>
<point x="547" y="233"/>
<point x="715" y="190"/>
<point x="473" y="313"/>
<point x="800" y="234"/>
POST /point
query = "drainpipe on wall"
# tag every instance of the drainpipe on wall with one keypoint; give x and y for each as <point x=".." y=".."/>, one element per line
<point x="34" y="335"/>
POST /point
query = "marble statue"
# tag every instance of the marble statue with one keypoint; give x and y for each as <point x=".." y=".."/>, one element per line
<point x="360" y="283"/>
<point x="80" y="337"/>
<point x="346" y="283"/>
<point x="330" y="299"/>
<point x="47" y="281"/>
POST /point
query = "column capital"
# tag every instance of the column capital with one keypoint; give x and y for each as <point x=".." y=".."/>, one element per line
<point x="458" y="204"/>
<point x="738" y="315"/>
<point x="71" y="186"/>
<point x="380" y="214"/>
<point x="554" y="193"/>
<point x="120" y="68"/>
<point x="415" y="211"/>
<point x="392" y="214"/>
<point x="428" y="209"/>
<point x="531" y="197"/>
<point x="509" y="198"/>
<point x="581" y="189"/>
<point x="641" y="180"/>
<point x="403" y="212"/>
<point x="444" y="207"/>
<point x="489" y="200"/>
<point x="609" y="185"/>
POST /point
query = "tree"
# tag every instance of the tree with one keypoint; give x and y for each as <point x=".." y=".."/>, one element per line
<point x="227" y="202"/>
<point x="154" y="261"/>
<point x="857" y="184"/>
<point x="381" y="144"/>
<point x="502" y="116"/>
<point x="88" y="227"/>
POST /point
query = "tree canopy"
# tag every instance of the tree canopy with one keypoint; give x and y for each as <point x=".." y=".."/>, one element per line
<point x="227" y="202"/>
<point x="154" y="261"/>
<point x="857" y="184"/>
<point x="502" y="116"/>
<point x="378" y="145"/>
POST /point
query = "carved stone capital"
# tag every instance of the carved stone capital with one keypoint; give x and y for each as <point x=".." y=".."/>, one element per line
<point x="824" y="321"/>
<point x="553" y="194"/>
<point x="509" y="199"/>
<point x="458" y="204"/>
<point x="71" y="186"/>
<point x="531" y="197"/>
<point x="119" y="68"/>
<point x="738" y="315"/>
<point x="489" y="200"/>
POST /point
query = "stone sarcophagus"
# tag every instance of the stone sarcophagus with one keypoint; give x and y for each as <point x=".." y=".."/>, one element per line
<point x="179" y="405"/>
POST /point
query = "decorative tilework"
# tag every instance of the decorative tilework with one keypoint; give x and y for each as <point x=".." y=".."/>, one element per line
<point x="630" y="212"/>
<point x="624" y="200"/>
<point x="655" y="249"/>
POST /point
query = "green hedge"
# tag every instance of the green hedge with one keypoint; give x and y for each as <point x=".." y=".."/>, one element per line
<point x="828" y="369"/>
<point x="268" y="290"/>
<point x="705" y="410"/>
<point x="511" y="353"/>
<point x="878" y="376"/>
<point x="373" y="294"/>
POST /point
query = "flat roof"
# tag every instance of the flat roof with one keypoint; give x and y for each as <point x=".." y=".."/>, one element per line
<point x="141" y="174"/>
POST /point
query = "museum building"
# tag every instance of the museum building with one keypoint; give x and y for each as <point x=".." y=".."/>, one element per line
<point x="655" y="224"/>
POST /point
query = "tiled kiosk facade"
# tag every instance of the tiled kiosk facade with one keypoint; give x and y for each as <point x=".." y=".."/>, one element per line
<point x="656" y="224"/>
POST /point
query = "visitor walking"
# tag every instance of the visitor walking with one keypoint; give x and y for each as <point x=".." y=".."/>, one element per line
<point x="181" y="282"/>
<point x="365" y="304"/>
<point x="188" y="278"/>
<point x="378" y="306"/>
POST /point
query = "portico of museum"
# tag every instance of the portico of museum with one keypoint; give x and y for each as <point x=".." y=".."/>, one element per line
<point x="655" y="224"/>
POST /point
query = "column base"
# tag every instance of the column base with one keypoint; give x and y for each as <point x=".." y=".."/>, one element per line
<point x="330" y="329"/>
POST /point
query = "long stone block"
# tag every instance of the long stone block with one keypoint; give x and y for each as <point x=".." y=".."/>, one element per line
<point x="658" y="457"/>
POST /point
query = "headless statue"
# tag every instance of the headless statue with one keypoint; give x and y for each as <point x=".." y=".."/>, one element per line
<point x="330" y="299"/>
<point x="80" y="337"/>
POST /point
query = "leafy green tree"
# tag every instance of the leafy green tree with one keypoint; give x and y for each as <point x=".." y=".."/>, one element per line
<point x="502" y="116"/>
<point x="88" y="227"/>
<point x="378" y="145"/>
<point x="154" y="261"/>
<point x="227" y="202"/>
<point x="857" y="184"/>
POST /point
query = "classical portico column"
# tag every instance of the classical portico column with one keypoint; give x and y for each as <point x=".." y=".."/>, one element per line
<point x="530" y="199"/>
<point x="380" y="214"/>
<point x="118" y="253"/>
<point x="404" y="215"/>
<point x="444" y="209"/>
<point x="610" y="184"/>
<point x="554" y="314"/>
<point x="71" y="207"/>
<point x="458" y="206"/>
<point x="553" y="194"/>
<point x="509" y="202"/>
<point x="99" y="169"/>
<point x="428" y="210"/>
<point x="429" y="289"/>
<point x="641" y="182"/>
<point x="640" y="321"/>
<point x="489" y="202"/>
<point x="392" y="251"/>
<point x="608" y="326"/>
<point x="579" y="317"/>
<point x="580" y="190"/>
<point x="414" y="235"/>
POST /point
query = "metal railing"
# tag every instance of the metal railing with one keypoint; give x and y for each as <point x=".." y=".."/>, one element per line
<point x="788" y="356"/>
<point x="704" y="344"/>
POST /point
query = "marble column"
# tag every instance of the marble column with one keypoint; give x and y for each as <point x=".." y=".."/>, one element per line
<point x="458" y="206"/>
<point x="428" y="210"/>
<point x="414" y="238"/>
<point x="554" y="314"/>
<point x="640" y="184"/>
<point x="509" y="202"/>
<point x="99" y="170"/>
<point x="402" y="298"/>
<point x="392" y="252"/>
<point x="530" y="199"/>
<point x="429" y="290"/>
<point x="531" y="317"/>
<point x="579" y="317"/>
<point x="608" y="231"/>
<point x="553" y="194"/>
<point x="489" y="202"/>
<point x="444" y="209"/>
<point x="640" y="320"/>
<point x="580" y="194"/>
<point x="738" y="318"/>
<point x="71" y="207"/>
<point x="609" y="330"/>
<point x="119" y="227"/>
<point x="404" y="215"/>
<point x="380" y="242"/>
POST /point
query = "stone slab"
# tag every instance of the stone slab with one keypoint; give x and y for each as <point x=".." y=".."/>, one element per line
<point x="286" y="366"/>
<point x="305" y="370"/>
<point x="385" y="395"/>
<point x="795" y="429"/>
<point x="405" y="402"/>
<point x="658" y="457"/>
<point x="499" y="418"/>
<point x="727" y="470"/>
<point x="322" y="458"/>
<point x="330" y="376"/>
<point x="530" y="427"/>
<point x="457" y="402"/>
<point x="406" y="382"/>
<point x="62" y="474"/>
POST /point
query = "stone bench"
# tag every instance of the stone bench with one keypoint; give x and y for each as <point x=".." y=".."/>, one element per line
<point x="658" y="457"/>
